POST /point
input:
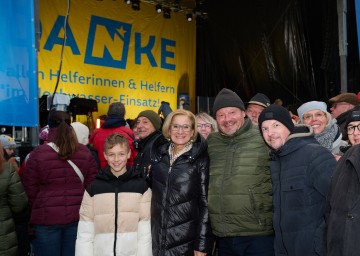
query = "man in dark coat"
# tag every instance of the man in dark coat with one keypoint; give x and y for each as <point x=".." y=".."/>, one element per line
<point x="301" y="171"/>
<point x="148" y="125"/>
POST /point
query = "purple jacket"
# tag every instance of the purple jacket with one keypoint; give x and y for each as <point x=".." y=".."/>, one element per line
<point x="54" y="189"/>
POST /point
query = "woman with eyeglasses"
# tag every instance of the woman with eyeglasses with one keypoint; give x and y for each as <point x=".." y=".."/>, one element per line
<point x="205" y="124"/>
<point x="353" y="127"/>
<point x="326" y="130"/>
<point x="343" y="208"/>
<point x="179" y="173"/>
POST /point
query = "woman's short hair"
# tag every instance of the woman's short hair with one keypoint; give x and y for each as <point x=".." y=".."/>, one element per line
<point x="208" y="119"/>
<point x="179" y="112"/>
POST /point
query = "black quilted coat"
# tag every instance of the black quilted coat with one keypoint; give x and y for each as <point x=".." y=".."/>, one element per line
<point x="179" y="215"/>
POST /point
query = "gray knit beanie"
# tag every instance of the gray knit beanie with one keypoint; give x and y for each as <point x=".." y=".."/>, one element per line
<point x="227" y="98"/>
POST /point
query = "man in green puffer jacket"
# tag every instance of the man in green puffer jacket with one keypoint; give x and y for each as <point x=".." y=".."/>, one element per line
<point x="240" y="203"/>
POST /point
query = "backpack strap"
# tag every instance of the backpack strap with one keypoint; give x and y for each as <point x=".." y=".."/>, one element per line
<point x="76" y="169"/>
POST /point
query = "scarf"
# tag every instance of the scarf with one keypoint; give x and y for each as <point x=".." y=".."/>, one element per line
<point x="328" y="135"/>
<point x="173" y="156"/>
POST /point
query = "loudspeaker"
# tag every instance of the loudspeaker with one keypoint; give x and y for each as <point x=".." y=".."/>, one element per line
<point x="81" y="106"/>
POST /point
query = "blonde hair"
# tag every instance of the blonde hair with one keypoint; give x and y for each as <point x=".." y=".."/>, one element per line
<point x="208" y="119"/>
<point x="179" y="112"/>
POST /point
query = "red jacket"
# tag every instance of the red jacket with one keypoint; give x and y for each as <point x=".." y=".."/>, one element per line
<point x="54" y="189"/>
<point x="99" y="136"/>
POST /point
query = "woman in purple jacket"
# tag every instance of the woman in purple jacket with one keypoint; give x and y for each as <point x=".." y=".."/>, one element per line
<point x="55" y="188"/>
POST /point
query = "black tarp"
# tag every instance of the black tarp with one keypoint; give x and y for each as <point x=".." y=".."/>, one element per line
<point x="285" y="49"/>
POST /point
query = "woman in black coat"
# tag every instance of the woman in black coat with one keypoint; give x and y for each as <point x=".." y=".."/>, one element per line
<point x="179" y="173"/>
<point x="343" y="209"/>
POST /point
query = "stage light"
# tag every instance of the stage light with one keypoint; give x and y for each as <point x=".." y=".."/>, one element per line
<point x="189" y="17"/>
<point x="158" y="8"/>
<point x="135" y="5"/>
<point x="127" y="1"/>
<point x="167" y="13"/>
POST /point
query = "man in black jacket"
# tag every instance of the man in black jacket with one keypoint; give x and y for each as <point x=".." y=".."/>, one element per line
<point x="148" y="125"/>
<point x="300" y="172"/>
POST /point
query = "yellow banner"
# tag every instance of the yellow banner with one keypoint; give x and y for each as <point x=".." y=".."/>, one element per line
<point x="113" y="53"/>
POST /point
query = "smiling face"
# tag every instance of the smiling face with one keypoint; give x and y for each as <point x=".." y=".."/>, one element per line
<point x="144" y="127"/>
<point x="230" y="119"/>
<point x="317" y="119"/>
<point x="353" y="128"/>
<point x="117" y="157"/>
<point x="181" y="130"/>
<point x="275" y="133"/>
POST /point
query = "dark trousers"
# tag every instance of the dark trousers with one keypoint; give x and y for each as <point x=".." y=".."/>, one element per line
<point x="246" y="246"/>
<point x="55" y="240"/>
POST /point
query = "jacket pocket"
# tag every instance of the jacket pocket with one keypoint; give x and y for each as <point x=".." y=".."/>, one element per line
<point x="292" y="191"/>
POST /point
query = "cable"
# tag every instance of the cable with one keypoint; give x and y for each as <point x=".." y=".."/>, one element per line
<point x="62" y="51"/>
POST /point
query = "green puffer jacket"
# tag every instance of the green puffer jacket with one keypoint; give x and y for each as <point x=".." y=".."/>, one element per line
<point x="240" y="202"/>
<point x="12" y="200"/>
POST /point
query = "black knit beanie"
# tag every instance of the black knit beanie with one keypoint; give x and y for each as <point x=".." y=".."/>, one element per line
<point x="227" y="98"/>
<point x="153" y="117"/>
<point x="352" y="117"/>
<point x="278" y="113"/>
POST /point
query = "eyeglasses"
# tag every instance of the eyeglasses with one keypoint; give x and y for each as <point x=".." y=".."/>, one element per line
<point x="206" y="126"/>
<point x="351" y="129"/>
<point x="314" y="116"/>
<point x="177" y="127"/>
<point x="251" y="112"/>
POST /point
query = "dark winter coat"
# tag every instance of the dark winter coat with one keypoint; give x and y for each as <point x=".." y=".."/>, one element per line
<point x="142" y="160"/>
<point x="12" y="200"/>
<point x="343" y="208"/>
<point x="179" y="214"/>
<point x="54" y="189"/>
<point x="300" y="171"/>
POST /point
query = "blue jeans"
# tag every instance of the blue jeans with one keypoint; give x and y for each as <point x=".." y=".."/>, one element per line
<point x="55" y="240"/>
<point x="246" y="246"/>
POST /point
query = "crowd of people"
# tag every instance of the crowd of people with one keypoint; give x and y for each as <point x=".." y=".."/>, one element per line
<point x="253" y="179"/>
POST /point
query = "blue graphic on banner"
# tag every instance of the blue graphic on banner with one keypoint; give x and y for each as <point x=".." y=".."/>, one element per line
<point x="120" y="34"/>
<point x="18" y="73"/>
<point x="357" y="10"/>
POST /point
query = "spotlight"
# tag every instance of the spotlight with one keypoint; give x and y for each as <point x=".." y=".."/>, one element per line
<point x="158" y="8"/>
<point x="127" y="1"/>
<point x="135" y="5"/>
<point x="189" y="17"/>
<point x="167" y="13"/>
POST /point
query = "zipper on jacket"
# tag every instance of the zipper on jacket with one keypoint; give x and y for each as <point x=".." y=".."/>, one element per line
<point x="163" y="221"/>
<point x="116" y="216"/>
